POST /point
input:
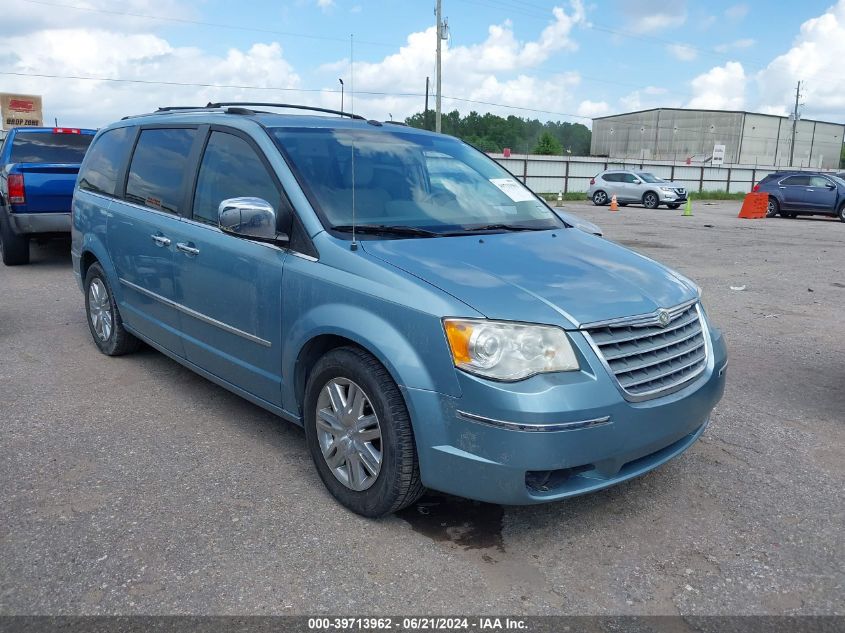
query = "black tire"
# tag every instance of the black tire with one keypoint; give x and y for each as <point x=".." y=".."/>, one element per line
<point x="398" y="482"/>
<point x="650" y="200"/>
<point x="773" y="208"/>
<point x="674" y="205"/>
<point x="119" y="341"/>
<point x="623" y="204"/>
<point x="15" y="247"/>
<point x="600" y="198"/>
<point x="841" y="213"/>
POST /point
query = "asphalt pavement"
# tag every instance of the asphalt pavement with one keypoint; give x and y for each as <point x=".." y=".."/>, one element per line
<point x="131" y="485"/>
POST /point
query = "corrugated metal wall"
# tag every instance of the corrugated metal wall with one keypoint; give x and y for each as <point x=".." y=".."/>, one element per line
<point x="749" y="139"/>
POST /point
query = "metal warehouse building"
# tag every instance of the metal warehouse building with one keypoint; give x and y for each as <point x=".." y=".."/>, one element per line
<point x="674" y="134"/>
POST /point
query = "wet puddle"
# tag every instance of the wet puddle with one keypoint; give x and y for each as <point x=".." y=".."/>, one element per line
<point x="468" y="524"/>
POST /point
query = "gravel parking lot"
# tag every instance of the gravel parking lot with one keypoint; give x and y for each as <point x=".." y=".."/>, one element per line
<point x="131" y="485"/>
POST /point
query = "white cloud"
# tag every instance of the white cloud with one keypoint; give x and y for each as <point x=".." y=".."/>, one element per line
<point x="325" y="5"/>
<point x="682" y="52"/>
<point x="737" y="11"/>
<point x="650" y="16"/>
<point x="720" y="88"/>
<point x="493" y="70"/>
<point x="593" y="109"/>
<point x="136" y="56"/>
<point x="815" y="58"/>
<point x="739" y="44"/>
<point x="647" y="98"/>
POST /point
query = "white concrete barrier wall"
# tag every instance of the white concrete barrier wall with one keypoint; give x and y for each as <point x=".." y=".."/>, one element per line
<point x="570" y="174"/>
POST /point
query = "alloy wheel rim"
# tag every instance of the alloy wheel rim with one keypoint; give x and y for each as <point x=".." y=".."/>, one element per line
<point x="99" y="309"/>
<point x="349" y="434"/>
<point x="601" y="198"/>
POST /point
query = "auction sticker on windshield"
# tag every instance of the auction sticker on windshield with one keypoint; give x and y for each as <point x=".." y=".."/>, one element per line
<point x="512" y="189"/>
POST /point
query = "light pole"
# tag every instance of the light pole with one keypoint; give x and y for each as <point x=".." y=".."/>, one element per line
<point x="341" y="93"/>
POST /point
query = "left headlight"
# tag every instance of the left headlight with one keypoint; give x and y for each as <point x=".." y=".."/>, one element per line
<point x="508" y="351"/>
<point x="666" y="188"/>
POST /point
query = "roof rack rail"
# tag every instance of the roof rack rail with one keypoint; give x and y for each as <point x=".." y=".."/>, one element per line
<point x="402" y="123"/>
<point x="284" y="105"/>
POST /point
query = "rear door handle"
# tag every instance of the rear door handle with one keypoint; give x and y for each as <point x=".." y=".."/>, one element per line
<point x="161" y="240"/>
<point x="187" y="248"/>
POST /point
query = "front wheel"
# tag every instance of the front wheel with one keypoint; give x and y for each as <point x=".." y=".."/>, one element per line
<point x="773" y="208"/>
<point x="15" y="247"/>
<point x="104" y="319"/>
<point x="650" y="200"/>
<point x="359" y="434"/>
<point x="841" y="213"/>
<point x="599" y="198"/>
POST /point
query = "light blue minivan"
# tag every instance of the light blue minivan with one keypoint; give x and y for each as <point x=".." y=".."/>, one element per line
<point x="428" y="320"/>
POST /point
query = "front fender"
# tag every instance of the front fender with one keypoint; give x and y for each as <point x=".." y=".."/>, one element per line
<point x="411" y="345"/>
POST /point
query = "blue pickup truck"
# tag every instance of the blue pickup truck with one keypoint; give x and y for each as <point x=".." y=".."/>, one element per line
<point x="38" y="169"/>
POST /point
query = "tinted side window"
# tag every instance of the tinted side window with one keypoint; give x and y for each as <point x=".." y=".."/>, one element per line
<point x="629" y="178"/>
<point x="158" y="168"/>
<point x="100" y="171"/>
<point x="611" y="178"/>
<point x="796" y="181"/>
<point x="819" y="181"/>
<point x="230" y="168"/>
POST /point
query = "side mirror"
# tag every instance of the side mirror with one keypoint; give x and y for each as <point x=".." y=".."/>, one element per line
<point x="252" y="218"/>
<point x="830" y="186"/>
<point x="637" y="181"/>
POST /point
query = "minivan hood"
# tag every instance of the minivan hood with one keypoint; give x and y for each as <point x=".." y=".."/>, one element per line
<point x="539" y="276"/>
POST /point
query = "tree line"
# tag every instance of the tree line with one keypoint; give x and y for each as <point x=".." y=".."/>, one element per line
<point x="492" y="133"/>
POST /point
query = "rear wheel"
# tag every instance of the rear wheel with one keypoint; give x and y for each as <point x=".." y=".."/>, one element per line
<point x="599" y="198"/>
<point x="359" y="434"/>
<point x="104" y="319"/>
<point x="773" y="208"/>
<point x="15" y="247"/>
<point x="650" y="200"/>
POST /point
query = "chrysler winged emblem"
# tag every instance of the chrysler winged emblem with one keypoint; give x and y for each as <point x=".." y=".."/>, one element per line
<point x="663" y="317"/>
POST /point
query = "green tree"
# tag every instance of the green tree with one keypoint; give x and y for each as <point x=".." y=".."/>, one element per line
<point x="548" y="145"/>
<point x="493" y="133"/>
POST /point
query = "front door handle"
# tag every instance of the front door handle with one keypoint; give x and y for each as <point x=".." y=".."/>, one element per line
<point x="187" y="248"/>
<point x="161" y="240"/>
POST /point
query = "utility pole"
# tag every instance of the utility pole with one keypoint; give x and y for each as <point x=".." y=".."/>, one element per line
<point x="439" y="13"/>
<point x="794" y="124"/>
<point x="425" y="112"/>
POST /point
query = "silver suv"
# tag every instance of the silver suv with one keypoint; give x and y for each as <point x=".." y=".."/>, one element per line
<point x="635" y="186"/>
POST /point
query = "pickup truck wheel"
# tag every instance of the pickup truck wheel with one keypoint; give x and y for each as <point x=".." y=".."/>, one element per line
<point x="103" y="316"/>
<point x="15" y="247"/>
<point x="359" y="434"/>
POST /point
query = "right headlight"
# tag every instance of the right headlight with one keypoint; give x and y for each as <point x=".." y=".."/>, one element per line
<point x="502" y="350"/>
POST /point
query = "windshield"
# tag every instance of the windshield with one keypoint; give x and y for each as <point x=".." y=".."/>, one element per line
<point x="649" y="177"/>
<point x="46" y="147"/>
<point x="402" y="179"/>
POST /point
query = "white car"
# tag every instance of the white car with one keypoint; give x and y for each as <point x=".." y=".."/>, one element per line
<point x="639" y="187"/>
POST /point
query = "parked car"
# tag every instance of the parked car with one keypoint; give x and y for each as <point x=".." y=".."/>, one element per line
<point x="803" y="193"/>
<point x="448" y="333"/>
<point x="635" y="187"/>
<point x="38" y="168"/>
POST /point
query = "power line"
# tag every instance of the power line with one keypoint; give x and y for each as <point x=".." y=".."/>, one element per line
<point x="218" y="25"/>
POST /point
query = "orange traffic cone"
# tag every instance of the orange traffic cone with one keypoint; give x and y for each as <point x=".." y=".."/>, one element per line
<point x="614" y="206"/>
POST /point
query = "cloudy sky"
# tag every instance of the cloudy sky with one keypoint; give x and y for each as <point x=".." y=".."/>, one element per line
<point x="97" y="60"/>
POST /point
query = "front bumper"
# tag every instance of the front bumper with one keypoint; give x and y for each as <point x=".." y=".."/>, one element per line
<point x="32" y="223"/>
<point x="598" y="439"/>
<point x="672" y="196"/>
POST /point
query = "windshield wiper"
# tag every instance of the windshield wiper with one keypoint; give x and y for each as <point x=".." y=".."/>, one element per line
<point x="387" y="229"/>
<point x="497" y="227"/>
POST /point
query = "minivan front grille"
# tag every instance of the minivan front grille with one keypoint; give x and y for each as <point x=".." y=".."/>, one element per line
<point x="650" y="359"/>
